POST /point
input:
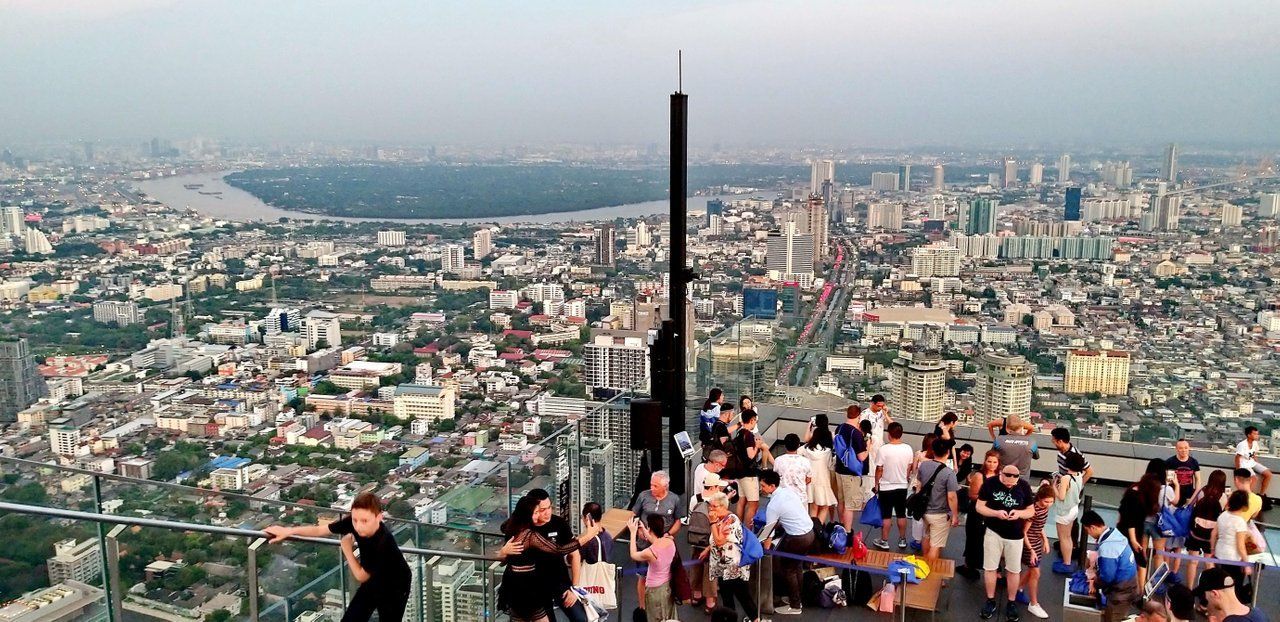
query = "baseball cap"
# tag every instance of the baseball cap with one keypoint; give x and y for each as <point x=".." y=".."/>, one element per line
<point x="713" y="479"/>
<point x="1212" y="580"/>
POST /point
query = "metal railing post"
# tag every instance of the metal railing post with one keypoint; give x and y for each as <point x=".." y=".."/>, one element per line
<point x="102" y="549"/>
<point x="422" y="600"/>
<point x="902" y="599"/>
<point x="1257" y="581"/>
<point x="113" y="572"/>
<point x="342" y="578"/>
<point x="253" y="582"/>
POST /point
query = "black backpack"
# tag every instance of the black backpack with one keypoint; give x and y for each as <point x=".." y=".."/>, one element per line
<point x="737" y="464"/>
<point x="918" y="502"/>
<point x="699" y="525"/>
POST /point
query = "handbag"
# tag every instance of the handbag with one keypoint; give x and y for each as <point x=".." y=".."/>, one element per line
<point x="918" y="502"/>
<point x="858" y="549"/>
<point x="1257" y="544"/>
<point x="885" y="600"/>
<point x="599" y="581"/>
<point x="871" y="515"/>
<point x="593" y="611"/>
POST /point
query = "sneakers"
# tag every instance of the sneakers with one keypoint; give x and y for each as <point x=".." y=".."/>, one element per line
<point x="1011" y="612"/>
<point x="989" y="609"/>
<point x="1060" y="567"/>
<point x="787" y="610"/>
<point x="902" y="543"/>
<point x="880" y="544"/>
<point x="1038" y="611"/>
<point x="1021" y="598"/>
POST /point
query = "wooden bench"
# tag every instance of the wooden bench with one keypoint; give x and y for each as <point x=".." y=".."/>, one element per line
<point x="921" y="596"/>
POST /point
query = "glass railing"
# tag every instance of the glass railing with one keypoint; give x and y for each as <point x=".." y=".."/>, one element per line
<point x="72" y="565"/>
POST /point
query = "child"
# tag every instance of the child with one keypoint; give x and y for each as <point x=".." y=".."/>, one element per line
<point x="380" y="569"/>
<point x="1034" y="548"/>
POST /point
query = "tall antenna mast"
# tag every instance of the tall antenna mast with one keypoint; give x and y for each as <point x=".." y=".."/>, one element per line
<point x="679" y="71"/>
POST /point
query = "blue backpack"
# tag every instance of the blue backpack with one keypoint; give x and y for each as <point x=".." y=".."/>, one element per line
<point x="837" y="538"/>
<point x="843" y="449"/>
<point x="1175" y="522"/>
<point x="752" y="550"/>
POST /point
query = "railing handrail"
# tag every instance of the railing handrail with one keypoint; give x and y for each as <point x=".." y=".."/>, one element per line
<point x="172" y="525"/>
<point x="196" y="490"/>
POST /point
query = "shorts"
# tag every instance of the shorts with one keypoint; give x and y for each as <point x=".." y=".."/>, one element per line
<point x="850" y="491"/>
<point x="893" y="503"/>
<point x="1151" y="528"/>
<point x="1069" y="518"/>
<point x="1259" y="469"/>
<point x="995" y="548"/>
<point x="937" y="527"/>
<point x="749" y="488"/>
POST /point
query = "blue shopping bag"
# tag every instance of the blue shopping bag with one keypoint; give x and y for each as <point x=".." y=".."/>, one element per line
<point x="871" y="515"/>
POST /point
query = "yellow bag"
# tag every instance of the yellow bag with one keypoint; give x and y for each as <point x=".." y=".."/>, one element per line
<point x="922" y="566"/>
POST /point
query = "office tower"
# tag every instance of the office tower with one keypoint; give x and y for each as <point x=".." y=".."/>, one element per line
<point x="821" y="171"/>
<point x="1097" y="371"/>
<point x="919" y="385"/>
<point x="1071" y="211"/>
<point x="614" y="363"/>
<point x="322" y="326"/>
<point x="11" y="220"/>
<point x="939" y="177"/>
<point x="1064" y="169"/>
<point x="1169" y="166"/>
<point x="937" y="259"/>
<point x="283" y="320"/>
<point x="938" y="208"/>
<point x="64" y="440"/>
<point x="904" y="177"/>
<point x="482" y="243"/>
<point x="816" y="217"/>
<point x="391" y="238"/>
<point x="428" y="403"/>
<point x="789" y="252"/>
<point x="612" y="423"/>
<point x="605" y="246"/>
<point x="884" y="182"/>
<point x="1232" y="215"/>
<point x="981" y="216"/>
<point x="119" y="313"/>
<point x="1010" y="173"/>
<point x="887" y="216"/>
<point x="715" y="207"/>
<point x="451" y="258"/>
<point x="1003" y="386"/>
<point x="1037" y="174"/>
<point x="75" y="561"/>
<point x="1269" y="206"/>
<point x="1166" y="211"/>
<point x="35" y="242"/>
<point x="20" y="383"/>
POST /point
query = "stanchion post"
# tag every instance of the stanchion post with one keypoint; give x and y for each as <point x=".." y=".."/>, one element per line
<point x="902" y="599"/>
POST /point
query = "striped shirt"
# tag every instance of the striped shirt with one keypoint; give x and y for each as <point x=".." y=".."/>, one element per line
<point x="1062" y="459"/>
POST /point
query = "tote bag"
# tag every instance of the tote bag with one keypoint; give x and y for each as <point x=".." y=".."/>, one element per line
<point x="599" y="581"/>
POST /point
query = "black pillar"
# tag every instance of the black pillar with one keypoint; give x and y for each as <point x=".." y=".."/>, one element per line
<point x="669" y="355"/>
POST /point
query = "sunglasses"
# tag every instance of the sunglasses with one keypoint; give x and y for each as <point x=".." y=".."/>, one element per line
<point x="1014" y="474"/>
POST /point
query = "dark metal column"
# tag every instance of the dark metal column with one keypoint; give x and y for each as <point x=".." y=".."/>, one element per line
<point x="671" y="388"/>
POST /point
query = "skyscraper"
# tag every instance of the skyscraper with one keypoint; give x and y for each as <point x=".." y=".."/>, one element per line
<point x="1064" y="168"/>
<point x="939" y="177"/>
<point x="20" y="384"/>
<point x="482" y="242"/>
<point x="616" y="362"/>
<point x="821" y="171"/>
<point x="919" y="384"/>
<point x="937" y="259"/>
<point x="887" y="216"/>
<point x="789" y="252"/>
<point x="1071" y="211"/>
<point x="451" y="260"/>
<point x="1167" y="211"/>
<point x="904" y="177"/>
<point x="816" y="215"/>
<point x="11" y="218"/>
<point x="981" y="216"/>
<point x="1010" y="173"/>
<point x="1037" y="174"/>
<point x="884" y="182"/>
<point x="1269" y="206"/>
<point x="1101" y="371"/>
<point x="1232" y="215"/>
<point x="1003" y="386"/>
<point x="1169" y="166"/>
<point x="606" y="248"/>
<point x="715" y="207"/>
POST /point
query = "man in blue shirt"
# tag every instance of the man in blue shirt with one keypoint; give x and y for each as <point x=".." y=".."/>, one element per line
<point x="787" y="511"/>
<point x="1117" y="569"/>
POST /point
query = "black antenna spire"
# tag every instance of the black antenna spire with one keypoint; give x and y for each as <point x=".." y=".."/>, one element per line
<point x="679" y="71"/>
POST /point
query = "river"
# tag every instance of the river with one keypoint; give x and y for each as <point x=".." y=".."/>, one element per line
<point x="236" y="204"/>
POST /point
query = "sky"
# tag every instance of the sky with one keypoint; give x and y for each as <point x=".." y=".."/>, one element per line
<point x="860" y="73"/>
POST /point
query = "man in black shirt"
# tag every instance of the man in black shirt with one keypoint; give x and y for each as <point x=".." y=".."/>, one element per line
<point x="381" y="570"/>
<point x="850" y="451"/>
<point x="1004" y="501"/>
<point x="1186" y="469"/>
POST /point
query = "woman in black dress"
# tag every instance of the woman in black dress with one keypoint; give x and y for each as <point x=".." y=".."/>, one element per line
<point x="526" y="594"/>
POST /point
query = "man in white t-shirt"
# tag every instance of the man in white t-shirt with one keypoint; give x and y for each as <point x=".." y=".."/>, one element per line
<point x="794" y="469"/>
<point x="878" y="415"/>
<point x="893" y="477"/>
<point x="1247" y="458"/>
<point x="716" y="461"/>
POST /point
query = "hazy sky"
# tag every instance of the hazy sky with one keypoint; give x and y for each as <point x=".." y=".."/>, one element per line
<point x="853" y="72"/>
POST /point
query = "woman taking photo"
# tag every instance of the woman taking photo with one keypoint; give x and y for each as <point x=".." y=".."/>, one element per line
<point x="659" y="604"/>
<point x="817" y="448"/>
<point x="1206" y="505"/>
<point x="526" y="593"/>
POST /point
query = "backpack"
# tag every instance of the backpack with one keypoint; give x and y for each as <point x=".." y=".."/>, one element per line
<point x="837" y="538"/>
<point x="843" y="449"/>
<point x="832" y="594"/>
<point x="820" y="544"/>
<point x="752" y="550"/>
<point x="699" y="533"/>
<point x="918" y="502"/>
<point x="811" y="586"/>
<point x="737" y="463"/>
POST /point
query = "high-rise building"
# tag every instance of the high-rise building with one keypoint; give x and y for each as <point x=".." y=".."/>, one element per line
<point x="75" y="561"/>
<point x="1232" y="215"/>
<point x="116" y="312"/>
<point x="937" y="259"/>
<point x="1269" y="206"/>
<point x="1169" y="166"/>
<point x="789" y="252"/>
<point x="391" y="238"/>
<point x="449" y="578"/>
<point x="35" y="242"/>
<point x="322" y="326"/>
<point x="1064" y="168"/>
<point x="981" y="216"/>
<point x="20" y="383"/>
<point x="1167" y="211"/>
<point x="64" y="440"/>
<point x="11" y="220"/>
<point x="919" y="385"/>
<point x="1037" y="174"/>
<point x="1071" y="211"/>
<point x="612" y="423"/>
<point x="939" y="177"/>
<point x="884" y="182"/>
<point x="615" y="362"/>
<point x="1010" y="173"/>
<point x="1003" y="386"/>
<point x="821" y="171"/>
<point x="904" y="177"/>
<point x="605" y="245"/>
<point x="816" y="215"/>
<point x="887" y="216"/>
<point x="451" y="258"/>
<point x="283" y="320"/>
<point x="1097" y="371"/>
<point x="482" y="243"/>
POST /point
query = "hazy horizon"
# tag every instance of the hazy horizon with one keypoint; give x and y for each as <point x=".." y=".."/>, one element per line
<point x="875" y="74"/>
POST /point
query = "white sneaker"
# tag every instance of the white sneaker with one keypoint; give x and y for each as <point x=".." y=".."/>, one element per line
<point x="787" y="610"/>
<point x="1038" y="611"/>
